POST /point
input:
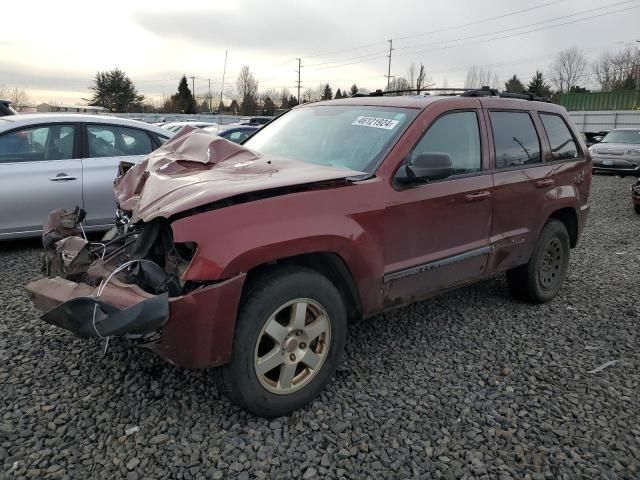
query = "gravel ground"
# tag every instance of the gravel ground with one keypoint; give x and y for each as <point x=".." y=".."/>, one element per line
<point x="470" y="384"/>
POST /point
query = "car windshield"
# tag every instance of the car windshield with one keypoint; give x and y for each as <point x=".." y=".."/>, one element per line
<point x="346" y="136"/>
<point x="622" y="136"/>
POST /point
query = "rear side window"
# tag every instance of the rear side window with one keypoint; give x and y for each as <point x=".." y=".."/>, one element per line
<point x="115" y="141"/>
<point x="456" y="134"/>
<point x="32" y="144"/>
<point x="515" y="139"/>
<point x="563" y="146"/>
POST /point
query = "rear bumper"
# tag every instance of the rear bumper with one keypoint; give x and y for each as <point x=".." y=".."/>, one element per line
<point x="194" y="330"/>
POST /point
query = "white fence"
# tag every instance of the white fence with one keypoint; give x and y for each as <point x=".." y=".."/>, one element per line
<point x="598" y="120"/>
<point x="180" y="117"/>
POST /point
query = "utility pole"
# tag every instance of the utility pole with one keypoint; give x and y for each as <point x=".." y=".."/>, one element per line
<point x="388" y="75"/>
<point x="224" y="71"/>
<point x="299" y="68"/>
<point x="193" y="86"/>
<point x="210" y="95"/>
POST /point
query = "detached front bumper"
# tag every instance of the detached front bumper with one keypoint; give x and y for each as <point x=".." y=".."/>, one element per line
<point x="193" y="330"/>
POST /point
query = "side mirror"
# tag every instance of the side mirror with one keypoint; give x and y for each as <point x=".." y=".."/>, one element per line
<point x="597" y="139"/>
<point x="430" y="166"/>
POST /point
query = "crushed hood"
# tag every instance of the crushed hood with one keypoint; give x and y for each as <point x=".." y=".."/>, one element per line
<point x="196" y="168"/>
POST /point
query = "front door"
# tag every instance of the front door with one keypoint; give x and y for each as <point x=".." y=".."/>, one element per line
<point x="38" y="174"/>
<point x="107" y="146"/>
<point x="438" y="232"/>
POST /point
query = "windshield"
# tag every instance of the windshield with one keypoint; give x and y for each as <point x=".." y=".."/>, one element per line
<point x="346" y="136"/>
<point x="622" y="136"/>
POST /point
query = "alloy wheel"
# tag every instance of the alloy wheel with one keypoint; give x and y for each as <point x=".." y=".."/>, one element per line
<point x="292" y="346"/>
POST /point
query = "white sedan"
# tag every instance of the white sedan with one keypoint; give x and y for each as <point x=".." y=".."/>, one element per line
<point x="49" y="161"/>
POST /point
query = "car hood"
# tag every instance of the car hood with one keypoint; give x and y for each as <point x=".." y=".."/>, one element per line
<point x="613" y="148"/>
<point x="196" y="168"/>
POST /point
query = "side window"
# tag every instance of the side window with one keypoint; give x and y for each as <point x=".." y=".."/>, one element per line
<point x="563" y="146"/>
<point x="237" y="137"/>
<point x="162" y="139"/>
<point x="515" y="139"/>
<point x="114" y="141"/>
<point x="32" y="144"/>
<point x="456" y="134"/>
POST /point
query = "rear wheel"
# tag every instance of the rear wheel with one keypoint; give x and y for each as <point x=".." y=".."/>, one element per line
<point x="636" y="207"/>
<point x="290" y="334"/>
<point x="541" y="278"/>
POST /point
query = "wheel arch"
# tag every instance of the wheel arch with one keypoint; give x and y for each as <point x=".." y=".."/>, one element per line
<point x="329" y="264"/>
<point x="569" y="218"/>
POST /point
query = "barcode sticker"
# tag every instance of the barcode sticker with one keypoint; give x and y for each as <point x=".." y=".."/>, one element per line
<point x="375" y="122"/>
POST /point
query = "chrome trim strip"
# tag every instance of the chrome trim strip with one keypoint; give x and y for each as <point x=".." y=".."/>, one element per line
<point x="436" y="264"/>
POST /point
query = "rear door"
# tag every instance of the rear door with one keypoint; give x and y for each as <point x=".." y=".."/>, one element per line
<point x="521" y="180"/>
<point x="105" y="147"/>
<point x="39" y="172"/>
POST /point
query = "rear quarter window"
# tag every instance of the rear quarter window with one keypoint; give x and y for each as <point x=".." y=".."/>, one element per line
<point x="563" y="145"/>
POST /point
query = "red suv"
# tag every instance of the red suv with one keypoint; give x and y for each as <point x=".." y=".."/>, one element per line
<point x="253" y="257"/>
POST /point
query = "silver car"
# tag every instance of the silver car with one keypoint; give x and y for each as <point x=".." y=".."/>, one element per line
<point x="65" y="160"/>
<point x="618" y="152"/>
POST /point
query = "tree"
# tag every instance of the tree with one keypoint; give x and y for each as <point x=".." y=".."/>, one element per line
<point x="327" y="93"/>
<point x="538" y="85"/>
<point x="234" y="108"/>
<point x="514" y="85"/>
<point x="478" y="77"/>
<point x="285" y="96"/>
<point x="268" y="106"/>
<point x="18" y="96"/>
<point x="422" y="81"/>
<point x="568" y="67"/>
<point x="293" y="101"/>
<point x="398" y="83"/>
<point x="338" y="94"/>
<point x="354" y="90"/>
<point x="247" y="87"/>
<point x="115" y="91"/>
<point x="619" y="71"/>
<point x="183" y="101"/>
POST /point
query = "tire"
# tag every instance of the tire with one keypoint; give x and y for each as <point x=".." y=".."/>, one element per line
<point x="275" y="392"/>
<point x="636" y="207"/>
<point x="540" y="279"/>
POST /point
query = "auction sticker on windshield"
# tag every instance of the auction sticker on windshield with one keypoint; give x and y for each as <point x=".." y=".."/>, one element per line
<point x="375" y="122"/>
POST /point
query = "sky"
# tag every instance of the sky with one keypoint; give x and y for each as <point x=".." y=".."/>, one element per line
<point x="53" y="49"/>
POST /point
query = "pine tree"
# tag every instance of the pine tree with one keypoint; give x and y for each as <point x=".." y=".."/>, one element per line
<point x="115" y="91"/>
<point x="514" y="85"/>
<point x="538" y="85"/>
<point x="183" y="101"/>
<point x="354" y="90"/>
<point x="338" y="94"/>
<point x="327" y="93"/>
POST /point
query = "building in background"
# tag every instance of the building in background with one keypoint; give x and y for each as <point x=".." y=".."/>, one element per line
<point x="45" y="107"/>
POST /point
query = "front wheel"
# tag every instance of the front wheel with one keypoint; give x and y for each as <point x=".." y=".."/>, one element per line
<point x="541" y="278"/>
<point x="636" y="207"/>
<point x="290" y="334"/>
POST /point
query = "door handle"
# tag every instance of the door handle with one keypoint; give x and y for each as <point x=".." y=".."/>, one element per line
<point x="545" y="182"/>
<point x="62" y="177"/>
<point x="477" y="197"/>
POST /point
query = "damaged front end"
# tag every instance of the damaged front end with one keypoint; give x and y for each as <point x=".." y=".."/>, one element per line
<point x="138" y="283"/>
<point x="118" y="286"/>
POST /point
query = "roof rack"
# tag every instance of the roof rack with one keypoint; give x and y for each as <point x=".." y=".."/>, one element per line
<point x="463" y="92"/>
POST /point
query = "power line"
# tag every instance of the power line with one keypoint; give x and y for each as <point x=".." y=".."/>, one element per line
<point x="454" y="27"/>
<point x="525" y="32"/>
<point x="518" y="27"/>
<point x="320" y="67"/>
